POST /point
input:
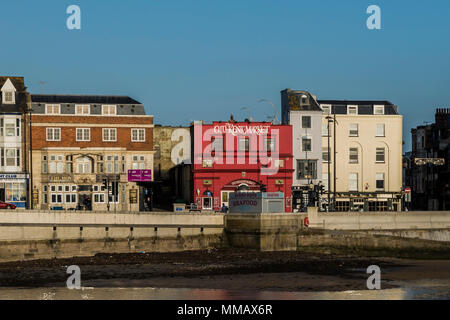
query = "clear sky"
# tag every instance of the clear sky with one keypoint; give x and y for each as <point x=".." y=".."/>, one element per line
<point x="206" y="59"/>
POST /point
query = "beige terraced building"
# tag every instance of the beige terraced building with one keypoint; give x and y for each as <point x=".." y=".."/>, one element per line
<point x="368" y="162"/>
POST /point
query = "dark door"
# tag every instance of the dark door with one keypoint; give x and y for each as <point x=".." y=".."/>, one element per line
<point x="2" y="195"/>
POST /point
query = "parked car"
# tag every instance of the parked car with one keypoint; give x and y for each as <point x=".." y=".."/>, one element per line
<point x="5" y="205"/>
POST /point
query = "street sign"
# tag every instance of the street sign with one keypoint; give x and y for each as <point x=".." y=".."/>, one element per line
<point x="139" y="175"/>
<point x="408" y="190"/>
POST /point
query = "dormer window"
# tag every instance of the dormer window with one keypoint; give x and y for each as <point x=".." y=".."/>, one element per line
<point x="352" y="109"/>
<point x="378" y="109"/>
<point x="326" y="108"/>
<point x="52" y="109"/>
<point x="8" y="93"/>
<point x="109" y="110"/>
<point x="304" y="99"/>
<point x="9" y="97"/>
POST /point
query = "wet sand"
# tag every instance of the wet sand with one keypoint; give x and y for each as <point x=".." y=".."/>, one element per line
<point x="230" y="269"/>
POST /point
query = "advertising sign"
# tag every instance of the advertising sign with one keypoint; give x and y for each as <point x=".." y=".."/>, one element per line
<point x="245" y="202"/>
<point x="139" y="175"/>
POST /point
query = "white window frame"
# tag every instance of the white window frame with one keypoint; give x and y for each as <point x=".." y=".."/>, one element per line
<point x="384" y="155"/>
<point x="350" y="180"/>
<point x="351" y="128"/>
<point x="83" y="106"/>
<point x="351" y="106"/>
<point x="100" y="195"/>
<point x="52" y="107"/>
<point x="350" y="160"/>
<point x="109" y="134"/>
<point x="53" y="130"/>
<point x="378" y="107"/>
<point x="13" y="97"/>
<point x="83" y="132"/>
<point x="138" y="130"/>
<point x="384" y="130"/>
<point x="109" y="107"/>
<point x="326" y="108"/>
<point x="377" y="175"/>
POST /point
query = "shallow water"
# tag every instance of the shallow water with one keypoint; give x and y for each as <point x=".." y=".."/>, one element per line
<point x="423" y="289"/>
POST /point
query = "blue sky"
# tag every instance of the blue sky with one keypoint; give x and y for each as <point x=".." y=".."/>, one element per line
<point x="206" y="59"/>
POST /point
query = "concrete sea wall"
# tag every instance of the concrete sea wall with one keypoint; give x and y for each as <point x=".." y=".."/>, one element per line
<point x="28" y="235"/>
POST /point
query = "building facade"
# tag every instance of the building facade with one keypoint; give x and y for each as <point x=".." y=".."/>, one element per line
<point x="240" y="156"/>
<point x="172" y="148"/>
<point x="429" y="164"/>
<point x="91" y="153"/>
<point x="301" y="110"/>
<point x="364" y="164"/>
<point x="13" y="141"/>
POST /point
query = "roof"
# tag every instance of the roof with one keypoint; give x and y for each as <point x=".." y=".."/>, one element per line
<point x="88" y="99"/>
<point x="365" y="107"/>
<point x="290" y="99"/>
<point x="356" y="102"/>
<point x="21" y="95"/>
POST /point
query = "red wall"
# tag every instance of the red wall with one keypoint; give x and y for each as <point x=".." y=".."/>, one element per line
<point x="222" y="175"/>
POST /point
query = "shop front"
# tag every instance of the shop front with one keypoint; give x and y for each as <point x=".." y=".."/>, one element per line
<point x="13" y="189"/>
<point x="246" y="157"/>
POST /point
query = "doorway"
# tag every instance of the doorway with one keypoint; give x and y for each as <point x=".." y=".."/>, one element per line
<point x="85" y="202"/>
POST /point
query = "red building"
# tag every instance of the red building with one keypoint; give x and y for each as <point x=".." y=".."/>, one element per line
<point x="244" y="156"/>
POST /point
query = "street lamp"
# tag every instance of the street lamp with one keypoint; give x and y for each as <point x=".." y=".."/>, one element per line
<point x="273" y="106"/>
<point x="331" y="119"/>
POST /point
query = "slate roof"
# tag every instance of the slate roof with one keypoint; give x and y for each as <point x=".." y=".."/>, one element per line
<point x="364" y="106"/>
<point x="82" y="99"/>
<point x="21" y="95"/>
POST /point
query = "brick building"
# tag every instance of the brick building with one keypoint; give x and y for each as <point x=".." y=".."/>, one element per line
<point x="78" y="142"/>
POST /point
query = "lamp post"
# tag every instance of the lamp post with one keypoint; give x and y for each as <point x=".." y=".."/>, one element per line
<point x="332" y="119"/>
<point x="273" y="106"/>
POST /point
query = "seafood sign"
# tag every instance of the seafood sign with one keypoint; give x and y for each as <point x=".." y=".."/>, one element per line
<point x="233" y="129"/>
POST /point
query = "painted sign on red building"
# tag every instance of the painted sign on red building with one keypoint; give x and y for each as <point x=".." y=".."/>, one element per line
<point x="240" y="156"/>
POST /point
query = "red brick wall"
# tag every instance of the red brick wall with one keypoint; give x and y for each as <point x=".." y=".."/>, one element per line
<point x="68" y="134"/>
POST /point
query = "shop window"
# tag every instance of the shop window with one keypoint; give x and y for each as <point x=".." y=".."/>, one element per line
<point x="99" y="198"/>
<point x="207" y="203"/>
